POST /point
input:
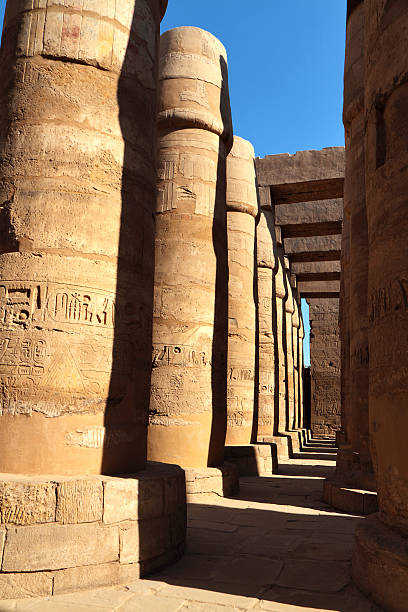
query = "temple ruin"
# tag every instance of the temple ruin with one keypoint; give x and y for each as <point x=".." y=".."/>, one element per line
<point x="152" y="276"/>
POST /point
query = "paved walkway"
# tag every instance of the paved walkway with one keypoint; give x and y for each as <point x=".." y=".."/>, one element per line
<point x="276" y="546"/>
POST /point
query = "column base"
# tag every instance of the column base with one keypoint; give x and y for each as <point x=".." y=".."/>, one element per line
<point x="353" y="472"/>
<point x="252" y="459"/>
<point x="380" y="564"/>
<point x="352" y="501"/>
<point x="202" y="483"/>
<point x="296" y="440"/>
<point x="282" y="443"/>
<point x="62" y="534"/>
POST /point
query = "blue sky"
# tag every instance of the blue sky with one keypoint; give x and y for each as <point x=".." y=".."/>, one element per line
<point x="285" y="67"/>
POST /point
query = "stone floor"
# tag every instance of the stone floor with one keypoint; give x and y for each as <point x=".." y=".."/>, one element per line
<point x="276" y="546"/>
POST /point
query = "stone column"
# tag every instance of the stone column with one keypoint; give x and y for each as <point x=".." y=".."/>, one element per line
<point x="77" y="169"/>
<point x="280" y="363"/>
<point x="324" y="367"/>
<point x="242" y="207"/>
<point x="295" y="342"/>
<point x="77" y="181"/>
<point x="187" y="419"/>
<point x="301" y="371"/>
<point x="266" y="338"/>
<point x="354" y="468"/>
<point x="381" y="557"/>
<point x="290" y="375"/>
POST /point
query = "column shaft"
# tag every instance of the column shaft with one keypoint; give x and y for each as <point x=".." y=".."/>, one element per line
<point x="77" y="169"/>
<point x="190" y="324"/>
<point x="242" y="207"/>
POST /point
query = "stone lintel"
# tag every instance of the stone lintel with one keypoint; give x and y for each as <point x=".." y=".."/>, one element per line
<point x="303" y="177"/>
<point x="302" y="166"/>
<point x="315" y="256"/>
<point x="307" y="191"/>
<point x="315" y="267"/>
<point x="307" y="277"/>
<point x="305" y="230"/>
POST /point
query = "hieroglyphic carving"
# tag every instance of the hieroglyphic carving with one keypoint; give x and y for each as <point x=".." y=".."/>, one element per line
<point x="387" y="300"/>
<point x="26" y="303"/>
<point x="185" y="178"/>
<point x="175" y="355"/>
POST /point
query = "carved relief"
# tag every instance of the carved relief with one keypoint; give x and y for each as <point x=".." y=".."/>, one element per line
<point x="387" y="300"/>
<point x="25" y="303"/>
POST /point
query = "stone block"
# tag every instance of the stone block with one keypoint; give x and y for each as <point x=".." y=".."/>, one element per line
<point x="151" y="497"/>
<point x="79" y="501"/>
<point x="24" y="502"/>
<point x="121" y="500"/>
<point x="174" y="493"/>
<point x="25" y="585"/>
<point x="144" y="540"/>
<point x="86" y="577"/>
<point x="352" y="501"/>
<point x="52" y="547"/>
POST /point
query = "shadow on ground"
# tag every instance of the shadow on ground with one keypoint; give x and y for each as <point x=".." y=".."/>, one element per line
<point x="275" y="541"/>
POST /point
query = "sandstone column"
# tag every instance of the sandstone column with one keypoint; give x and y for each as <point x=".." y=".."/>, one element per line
<point x="381" y="558"/>
<point x="266" y="336"/>
<point x="295" y="342"/>
<point x="324" y="367"/>
<point x="290" y="373"/>
<point x="242" y="207"/>
<point x="280" y="296"/>
<point x="78" y="186"/>
<point x="354" y="467"/>
<point x="77" y="169"/>
<point x="190" y="322"/>
<point x="301" y="371"/>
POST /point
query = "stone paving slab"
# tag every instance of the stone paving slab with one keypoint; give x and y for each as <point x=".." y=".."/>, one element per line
<point x="274" y="547"/>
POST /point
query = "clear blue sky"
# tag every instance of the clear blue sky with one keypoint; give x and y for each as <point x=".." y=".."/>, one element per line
<point x="285" y="67"/>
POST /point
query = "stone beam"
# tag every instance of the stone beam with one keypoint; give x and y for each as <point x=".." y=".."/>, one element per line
<point x="305" y="230"/>
<point x="307" y="277"/>
<point x="303" y="177"/>
<point x="318" y="286"/>
<point x="315" y="267"/>
<point x="318" y="211"/>
<point x="321" y="294"/>
<point x="313" y="248"/>
<point x="307" y="191"/>
<point x="315" y="256"/>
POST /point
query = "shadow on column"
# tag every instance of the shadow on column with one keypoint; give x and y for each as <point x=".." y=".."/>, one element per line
<point x="220" y="333"/>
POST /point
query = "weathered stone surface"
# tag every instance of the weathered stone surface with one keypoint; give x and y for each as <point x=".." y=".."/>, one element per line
<point x="48" y="547"/>
<point x="267" y="325"/>
<point x="202" y="483"/>
<point x="188" y="391"/>
<point x="75" y="342"/>
<point x="146" y="540"/>
<point x="386" y="189"/>
<point x="25" y="585"/>
<point x="301" y="167"/>
<point x="86" y="577"/>
<point x="325" y="367"/>
<point x="380" y="564"/>
<point x="303" y="177"/>
<point x="79" y="501"/>
<point x="24" y="503"/>
<point x="242" y="208"/>
<point x="253" y="459"/>
<point x="121" y="500"/>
